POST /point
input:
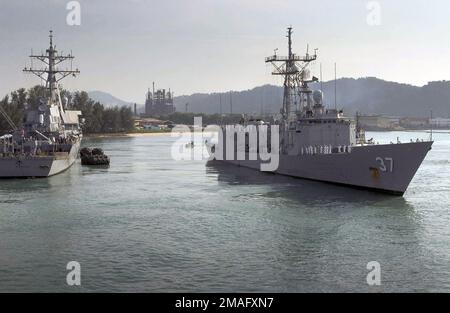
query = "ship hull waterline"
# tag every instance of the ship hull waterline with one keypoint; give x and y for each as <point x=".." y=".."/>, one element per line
<point x="387" y="169"/>
<point x="38" y="166"/>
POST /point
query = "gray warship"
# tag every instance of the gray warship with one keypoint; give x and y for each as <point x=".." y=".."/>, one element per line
<point x="321" y="144"/>
<point x="49" y="139"/>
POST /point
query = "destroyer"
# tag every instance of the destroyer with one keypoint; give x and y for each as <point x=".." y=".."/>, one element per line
<point x="322" y="144"/>
<point x="48" y="141"/>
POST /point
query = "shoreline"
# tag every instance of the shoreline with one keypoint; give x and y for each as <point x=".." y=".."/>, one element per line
<point x="434" y="130"/>
<point x="151" y="134"/>
<point x="125" y="135"/>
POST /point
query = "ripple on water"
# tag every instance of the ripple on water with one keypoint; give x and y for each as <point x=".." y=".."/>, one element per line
<point x="148" y="223"/>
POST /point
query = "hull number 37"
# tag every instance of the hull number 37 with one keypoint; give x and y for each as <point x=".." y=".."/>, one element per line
<point x="385" y="164"/>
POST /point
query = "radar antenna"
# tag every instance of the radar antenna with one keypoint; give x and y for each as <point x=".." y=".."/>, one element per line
<point x="294" y="70"/>
<point x="51" y="74"/>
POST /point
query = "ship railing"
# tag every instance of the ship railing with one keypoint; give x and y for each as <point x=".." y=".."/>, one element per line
<point x="295" y="58"/>
<point x="325" y="149"/>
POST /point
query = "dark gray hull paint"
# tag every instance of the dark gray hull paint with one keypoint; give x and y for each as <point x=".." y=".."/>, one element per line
<point x="37" y="166"/>
<point x="359" y="169"/>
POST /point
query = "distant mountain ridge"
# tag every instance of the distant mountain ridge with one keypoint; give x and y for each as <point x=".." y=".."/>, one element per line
<point x="365" y="95"/>
<point x="107" y="99"/>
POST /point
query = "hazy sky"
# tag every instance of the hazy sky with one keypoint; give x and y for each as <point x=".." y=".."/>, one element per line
<point x="193" y="46"/>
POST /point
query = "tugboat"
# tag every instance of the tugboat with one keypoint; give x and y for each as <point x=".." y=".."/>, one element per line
<point x="319" y="143"/>
<point x="94" y="156"/>
<point x="49" y="140"/>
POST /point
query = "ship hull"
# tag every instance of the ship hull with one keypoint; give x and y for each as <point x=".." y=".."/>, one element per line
<point x="382" y="168"/>
<point x="38" y="166"/>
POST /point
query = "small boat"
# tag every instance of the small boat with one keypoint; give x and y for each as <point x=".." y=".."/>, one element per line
<point x="94" y="156"/>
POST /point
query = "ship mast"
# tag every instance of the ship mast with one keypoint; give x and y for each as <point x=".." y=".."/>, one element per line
<point x="294" y="70"/>
<point x="51" y="73"/>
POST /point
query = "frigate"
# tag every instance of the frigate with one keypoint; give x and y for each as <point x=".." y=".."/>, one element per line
<point x="320" y="143"/>
<point x="48" y="140"/>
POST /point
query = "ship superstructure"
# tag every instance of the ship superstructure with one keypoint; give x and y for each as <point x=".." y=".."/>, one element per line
<point x="306" y="124"/>
<point x="320" y="143"/>
<point x="49" y="140"/>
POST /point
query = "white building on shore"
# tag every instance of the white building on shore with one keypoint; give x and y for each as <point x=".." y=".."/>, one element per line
<point x="440" y="122"/>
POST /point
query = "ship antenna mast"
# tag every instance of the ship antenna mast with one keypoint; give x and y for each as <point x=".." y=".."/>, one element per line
<point x="335" y="87"/>
<point x="50" y="73"/>
<point x="293" y="68"/>
<point x="431" y="125"/>
<point x="321" y="79"/>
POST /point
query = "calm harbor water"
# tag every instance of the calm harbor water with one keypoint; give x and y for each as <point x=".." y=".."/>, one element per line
<point x="149" y="223"/>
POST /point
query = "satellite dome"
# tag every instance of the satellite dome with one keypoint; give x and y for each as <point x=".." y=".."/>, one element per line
<point x="317" y="96"/>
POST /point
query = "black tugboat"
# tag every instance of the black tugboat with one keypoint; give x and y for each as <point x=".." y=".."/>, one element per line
<point x="94" y="156"/>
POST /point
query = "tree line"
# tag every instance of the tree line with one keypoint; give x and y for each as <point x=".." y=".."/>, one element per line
<point x="188" y="118"/>
<point x="98" y="118"/>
